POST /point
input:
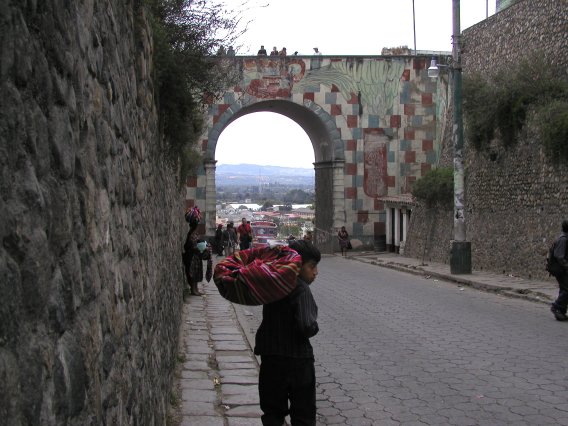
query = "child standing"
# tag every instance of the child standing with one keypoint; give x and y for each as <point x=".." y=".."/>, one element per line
<point x="287" y="372"/>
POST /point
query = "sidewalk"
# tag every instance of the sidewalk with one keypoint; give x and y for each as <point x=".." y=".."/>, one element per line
<point x="219" y="375"/>
<point x="543" y="291"/>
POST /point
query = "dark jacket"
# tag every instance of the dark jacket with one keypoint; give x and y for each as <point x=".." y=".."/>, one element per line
<point x="560" y="250"/>
<point x="288" y="324"/>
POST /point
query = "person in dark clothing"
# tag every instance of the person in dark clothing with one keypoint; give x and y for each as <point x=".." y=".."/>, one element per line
<point x="219" y="243"/>
<point x="343" y="237"/>
<point x="226" y="239"/>
<point x="232" y="239"/>
<point x="287" y="373"/>
<point x="560" y="305"/>
<point x="193" y="253"/>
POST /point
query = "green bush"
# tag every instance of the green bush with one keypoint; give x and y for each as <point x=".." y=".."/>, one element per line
<point x="502" y="102"/>
<point x="479" y="111"/>
<point x="435" y="188"/>
<point x="186" y="34"/>
<point x="553" y="126"/>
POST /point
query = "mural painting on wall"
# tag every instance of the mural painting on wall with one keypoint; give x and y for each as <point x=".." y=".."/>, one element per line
<point x="377" y="81"/>
<point x="375" y="164"/>
<point x="272" y="78"/>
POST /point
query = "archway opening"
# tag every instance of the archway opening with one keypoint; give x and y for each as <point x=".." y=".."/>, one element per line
<point x="265" y="138"/>
<point x="265" y="171"/>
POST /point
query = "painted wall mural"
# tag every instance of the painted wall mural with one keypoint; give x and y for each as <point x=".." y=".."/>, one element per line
<point x="375" y="164"/>
<point x="376" y="83"/>
<point x="267" y="78"/>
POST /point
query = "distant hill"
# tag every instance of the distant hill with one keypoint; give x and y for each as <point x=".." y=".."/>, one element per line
<point x="250" y="174"/>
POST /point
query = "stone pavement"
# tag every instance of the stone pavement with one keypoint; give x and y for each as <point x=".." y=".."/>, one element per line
<point x="220" y="373"/>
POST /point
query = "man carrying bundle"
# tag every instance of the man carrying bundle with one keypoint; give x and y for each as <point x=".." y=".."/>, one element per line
<point x="287" y="370"/>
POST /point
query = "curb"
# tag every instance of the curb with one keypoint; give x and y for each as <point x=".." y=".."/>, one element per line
<point x="526" y="294"/>
<point x="247" y="333"/>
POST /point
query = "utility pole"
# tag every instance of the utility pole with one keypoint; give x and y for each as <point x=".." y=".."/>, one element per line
<point x="460" y="254"/>
<point x="414" y="26"/>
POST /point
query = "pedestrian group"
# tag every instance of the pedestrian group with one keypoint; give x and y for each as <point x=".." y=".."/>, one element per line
<point x="262" y="51"/>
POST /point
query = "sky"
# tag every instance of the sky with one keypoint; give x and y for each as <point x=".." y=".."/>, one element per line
<point x="362" y="28"/>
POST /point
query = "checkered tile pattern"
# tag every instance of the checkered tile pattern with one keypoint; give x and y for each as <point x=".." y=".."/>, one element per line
<point x="382" y="113"/>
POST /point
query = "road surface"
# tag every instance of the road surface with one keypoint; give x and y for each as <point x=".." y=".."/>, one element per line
<point x="400" y="349"/>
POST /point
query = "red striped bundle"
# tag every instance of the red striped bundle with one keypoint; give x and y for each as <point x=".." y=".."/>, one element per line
<point x="258" y="276"/>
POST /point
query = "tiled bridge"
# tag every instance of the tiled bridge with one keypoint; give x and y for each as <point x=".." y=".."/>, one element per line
<point x="374" y="123"/>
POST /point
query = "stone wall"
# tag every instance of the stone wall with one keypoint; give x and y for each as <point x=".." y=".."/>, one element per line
<point x="515" y="199"/>
<point x="90" y="282"/>
<point x="510" y="35"/>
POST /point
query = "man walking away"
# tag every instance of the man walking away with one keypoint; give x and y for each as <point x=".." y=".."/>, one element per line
<point x="219" y="243"/>
<point x="287" y="372"/>
<point x="245" y="234"/>
<point x="559" y="306"/>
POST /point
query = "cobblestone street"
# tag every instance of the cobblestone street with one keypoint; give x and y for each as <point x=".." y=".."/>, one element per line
<point x="401" y="349"/>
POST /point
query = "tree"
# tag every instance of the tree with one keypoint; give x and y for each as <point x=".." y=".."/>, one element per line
<point x="266" y="206"/>
<point x="435" y="187"/>
<point x="298" y="196"/>
<point x="186" y="33"/>
<point x="290" y="229"/>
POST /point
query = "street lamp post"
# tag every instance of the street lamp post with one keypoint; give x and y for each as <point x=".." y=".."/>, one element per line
<point x="460" y="252"/>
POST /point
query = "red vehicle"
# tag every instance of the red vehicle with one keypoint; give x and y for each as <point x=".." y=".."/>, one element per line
<point x="263" y="231"/>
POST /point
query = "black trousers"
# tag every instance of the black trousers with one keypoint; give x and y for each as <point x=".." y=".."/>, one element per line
<point x="219" y="247"/>
<point x="561" y="302"/>
<point x="285" y="379"/>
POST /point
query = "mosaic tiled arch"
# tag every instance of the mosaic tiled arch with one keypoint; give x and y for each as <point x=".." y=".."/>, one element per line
<point x="379" y="120"/>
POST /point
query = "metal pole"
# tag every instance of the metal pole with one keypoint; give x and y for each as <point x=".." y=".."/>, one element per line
<point x="414" y="26"/>
<point x="460" y="261"/>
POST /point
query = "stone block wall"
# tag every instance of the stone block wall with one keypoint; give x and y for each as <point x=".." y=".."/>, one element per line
<point x="90" y="276"/>
<point x="511" y="35"/>
<point x="515" y="198"/>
